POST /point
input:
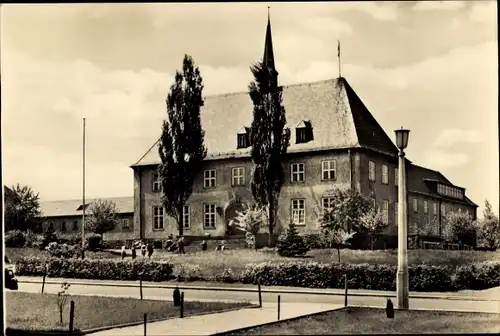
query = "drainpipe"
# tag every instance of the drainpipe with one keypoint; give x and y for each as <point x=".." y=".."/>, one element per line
<point x="350" y="168"/>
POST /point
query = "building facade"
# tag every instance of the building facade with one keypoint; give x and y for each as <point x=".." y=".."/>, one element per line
<point x="335" y="143"/>
<point x="65" y="217"/>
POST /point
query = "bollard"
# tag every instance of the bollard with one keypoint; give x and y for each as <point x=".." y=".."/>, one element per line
<point x="279" y="306"/>
<point x="43" y="282"/>
<point x="71" y="316"/>
<point x="140" y="285"/>
<point x="182" y="305"/>
<point x="345" y="296"/>
<point x="145" y="322"/>
<point x="260" y="294"/>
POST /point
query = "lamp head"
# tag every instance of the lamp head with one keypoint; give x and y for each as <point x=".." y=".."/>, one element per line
<point x="402" y="136"/>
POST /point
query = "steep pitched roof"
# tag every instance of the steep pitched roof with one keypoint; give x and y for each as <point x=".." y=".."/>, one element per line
<point x="69" y="207"/>
<point x="338" y="117"/>
<point x="418" y="175"/>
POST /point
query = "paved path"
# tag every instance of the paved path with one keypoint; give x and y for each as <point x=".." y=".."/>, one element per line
<point x="455" y="304"/>
<point x="221" y="322"/>
<point x="489" y="294"/>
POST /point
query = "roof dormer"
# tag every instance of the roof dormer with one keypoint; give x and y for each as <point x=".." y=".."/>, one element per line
<point x="304" y="132"/>
<point x="243" y="136"/>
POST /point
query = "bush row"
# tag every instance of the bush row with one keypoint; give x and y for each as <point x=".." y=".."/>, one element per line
<point x="102" y="269"/>
<point x="423" y="278"/>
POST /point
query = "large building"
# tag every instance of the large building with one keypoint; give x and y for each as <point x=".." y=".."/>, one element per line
<point x="65" y="217"/>
<point x="336" y="142"/>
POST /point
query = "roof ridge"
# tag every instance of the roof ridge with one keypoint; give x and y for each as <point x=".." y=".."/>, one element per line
<point x="87" y="199"/>
<point x="227" y="94"/>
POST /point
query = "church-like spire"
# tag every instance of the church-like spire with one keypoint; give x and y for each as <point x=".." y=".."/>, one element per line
<point x="268" y="59"/>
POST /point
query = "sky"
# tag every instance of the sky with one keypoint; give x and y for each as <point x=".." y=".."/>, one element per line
<point x="429" y="66"/>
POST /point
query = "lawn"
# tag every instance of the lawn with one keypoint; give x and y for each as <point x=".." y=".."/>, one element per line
<point x="210" y="263"/>
<point x="15" y="253"/>
<point x="39" y="312"/>
<point x="374" y="321"/>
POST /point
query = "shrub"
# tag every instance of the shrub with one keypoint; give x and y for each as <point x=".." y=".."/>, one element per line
<point x="102" y="269"/>
<point x="94" y="241"/>
<point x="48" y="237"/>
<point x="291" y="244"/>
<point x="111" y="244"/>
<point x="30" y="238"/>
<point x="360" y="276"/>
<point x="477" y="276"/>
<point x="188" y="272"/>
<point x="15" y="238"/>
<point x="250" y="240"/>
<point x="63" y="250"/>
<point x="314" y="241"/>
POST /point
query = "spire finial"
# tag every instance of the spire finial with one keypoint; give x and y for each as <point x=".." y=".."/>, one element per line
<point x="268" y="13"/>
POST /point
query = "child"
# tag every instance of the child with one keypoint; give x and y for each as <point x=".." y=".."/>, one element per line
<point x="143" y="250"/>
<point x="123" y="252"/>
<point x="133" y="252"/>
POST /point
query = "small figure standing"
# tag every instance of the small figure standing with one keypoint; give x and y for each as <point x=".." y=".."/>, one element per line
<point x="150" y="250"/>
<point x="180" y="244"/>
<point x="123" y="252"/>
<point x="177" y="297"/>
<point x="134" y="253"/>
<point x="389" y="309"/>
<point x="204" y="245"/>
<point x="143" y="250"/>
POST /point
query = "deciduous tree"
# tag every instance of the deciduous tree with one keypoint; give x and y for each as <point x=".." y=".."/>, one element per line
<point x="373" y="221"/>
<point x="458" y="227"/>
<point x="182" y="148"/>
<point x="102" y="217"/>
<point x="489" y="228"/>
<point x="22" y="209"/>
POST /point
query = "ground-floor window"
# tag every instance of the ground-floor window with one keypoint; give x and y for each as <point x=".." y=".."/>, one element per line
<point x="299" y="211"/>
<point x="158" y="213"/>
<point x="185" y="217"/>
<point x="209" y="215"/>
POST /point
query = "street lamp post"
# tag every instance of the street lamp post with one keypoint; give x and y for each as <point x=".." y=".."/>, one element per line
<point x="402" y="280"/>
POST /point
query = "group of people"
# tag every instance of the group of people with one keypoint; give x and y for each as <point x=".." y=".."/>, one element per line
<point x="145" y="248"/>
<point x="171" y="245"/>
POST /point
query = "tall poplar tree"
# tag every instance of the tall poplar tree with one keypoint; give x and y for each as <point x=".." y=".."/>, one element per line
<point x="182" y="148"/>
<point x="269" y="139"/>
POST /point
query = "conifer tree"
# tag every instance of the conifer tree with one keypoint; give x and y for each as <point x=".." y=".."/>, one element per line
<point x="182" y="148"/>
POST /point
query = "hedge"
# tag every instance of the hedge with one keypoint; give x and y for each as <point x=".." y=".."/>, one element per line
<point x="423" y="278"/>
<point x="102" y="269"/>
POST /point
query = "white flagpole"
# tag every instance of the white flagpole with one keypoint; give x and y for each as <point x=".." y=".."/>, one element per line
<point x="338" y="55"/>
<point x="83" y="213"/>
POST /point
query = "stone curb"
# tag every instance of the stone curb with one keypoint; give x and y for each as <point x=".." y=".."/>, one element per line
<point x="276" y="322"/>
<point x="271" y="291"/>
<point x="133" y="324"/>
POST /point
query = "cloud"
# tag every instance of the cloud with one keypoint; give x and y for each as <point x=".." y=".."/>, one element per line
<point x="483" y="11"/>
<point x="327" y="25"/>
<point x="450" y="137"/>
<point x="383" y="11"/>
<point x="439" y="5"/>
<point x="440" y="159"/>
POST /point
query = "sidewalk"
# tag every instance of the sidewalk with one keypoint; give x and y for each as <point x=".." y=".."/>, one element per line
<point x="492" y="294"/>
<point x="222" y="322"/>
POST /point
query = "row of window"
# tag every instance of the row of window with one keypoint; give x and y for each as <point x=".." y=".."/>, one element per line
<point x="450" y="191"/>
<point x="297" y="173"/>
<point x="298" y="212"/>
<point x="125" y="225"/>
<point x="372" y="176"/>
<point x="209" y="216"/>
